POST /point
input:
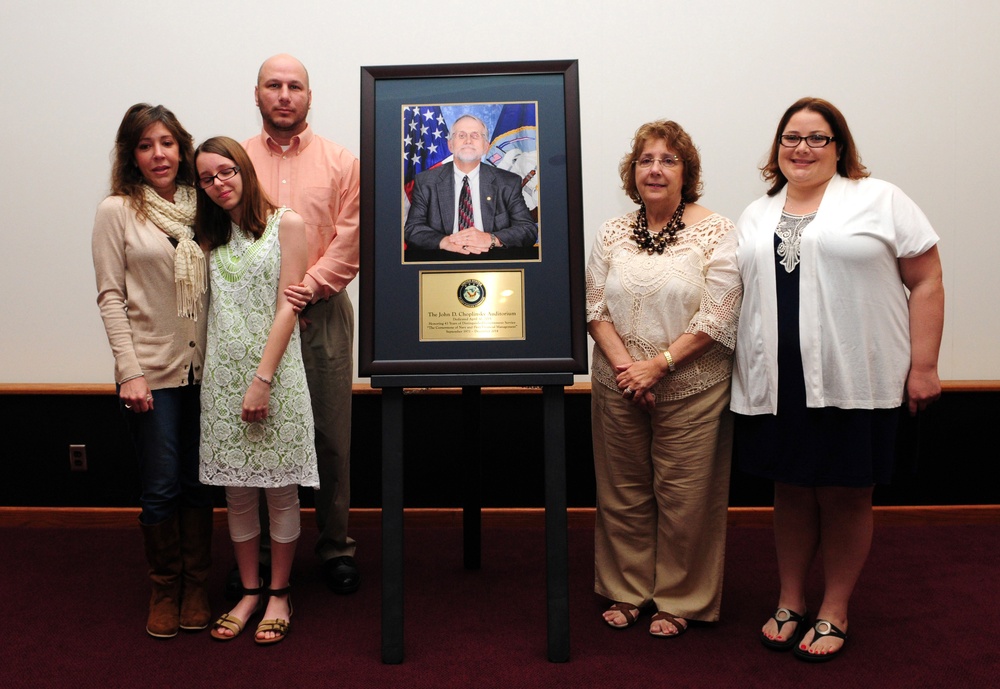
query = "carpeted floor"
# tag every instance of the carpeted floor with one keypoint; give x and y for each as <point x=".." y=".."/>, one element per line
<point x="74" y="608"/>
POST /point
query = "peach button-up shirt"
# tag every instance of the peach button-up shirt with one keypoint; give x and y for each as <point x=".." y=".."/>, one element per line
<point x="319" y="180"/>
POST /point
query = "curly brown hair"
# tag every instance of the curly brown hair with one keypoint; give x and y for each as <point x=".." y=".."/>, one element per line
<point x="674" y="136"/>
<point x="126" y="178"/>
<point x="848" y="162"/>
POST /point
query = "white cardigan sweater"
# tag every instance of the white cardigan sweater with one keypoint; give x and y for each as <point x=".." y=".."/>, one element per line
<point x="854" y="320"/>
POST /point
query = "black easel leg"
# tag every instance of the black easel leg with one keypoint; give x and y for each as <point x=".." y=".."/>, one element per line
<point x="392" y="525"/>
<point x="472" y="505"/>
<point x="556" y="546"/>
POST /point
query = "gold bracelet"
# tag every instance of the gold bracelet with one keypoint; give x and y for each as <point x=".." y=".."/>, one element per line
<point x="670" y="360"/>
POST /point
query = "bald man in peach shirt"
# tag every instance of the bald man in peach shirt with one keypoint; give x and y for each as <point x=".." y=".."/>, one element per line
<point x="320" y="180"/>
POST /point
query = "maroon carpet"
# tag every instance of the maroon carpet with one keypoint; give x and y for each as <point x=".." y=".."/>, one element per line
<point x="74" y="607"/>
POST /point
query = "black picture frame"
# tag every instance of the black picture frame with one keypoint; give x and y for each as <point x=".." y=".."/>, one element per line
<point x="554" y="300"/>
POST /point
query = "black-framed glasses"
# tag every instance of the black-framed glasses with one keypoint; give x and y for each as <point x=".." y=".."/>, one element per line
<point x="667" y="162"/>
<point x="812" y="141"/>
<point x="221" y="175"/>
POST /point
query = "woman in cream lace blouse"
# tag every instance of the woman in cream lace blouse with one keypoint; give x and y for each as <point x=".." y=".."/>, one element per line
<point x="663" y="297"/>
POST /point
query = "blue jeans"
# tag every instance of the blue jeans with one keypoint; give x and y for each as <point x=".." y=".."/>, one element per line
<point x="166" y="446"/>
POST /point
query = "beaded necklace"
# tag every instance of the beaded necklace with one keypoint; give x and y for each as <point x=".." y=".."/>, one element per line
<point x="658" y="242"/>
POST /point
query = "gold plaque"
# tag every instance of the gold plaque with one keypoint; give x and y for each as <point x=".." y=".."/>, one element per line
<point x="463" y="305"/>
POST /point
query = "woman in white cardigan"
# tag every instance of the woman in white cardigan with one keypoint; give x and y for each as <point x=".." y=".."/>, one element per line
<point x="151" y="291"/>
<point x="840" y="325"/>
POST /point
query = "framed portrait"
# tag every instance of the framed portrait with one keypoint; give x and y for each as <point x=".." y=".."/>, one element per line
<point x="487" y="141"/>
<point x="471" y="220"/>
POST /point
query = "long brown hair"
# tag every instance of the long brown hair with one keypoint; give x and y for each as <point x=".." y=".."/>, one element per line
<point x="848" y="162"/>
<point x="674" y="136"/>
<point x="212" y="226"/>
<point x="126" y="178"/>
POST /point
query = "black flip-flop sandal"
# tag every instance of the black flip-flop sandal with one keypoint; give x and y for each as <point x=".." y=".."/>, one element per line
<point x="782" y="616"/>
<point x="820" y="629"/>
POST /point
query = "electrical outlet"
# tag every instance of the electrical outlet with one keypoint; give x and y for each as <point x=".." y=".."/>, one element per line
<point x="77" y="457"/>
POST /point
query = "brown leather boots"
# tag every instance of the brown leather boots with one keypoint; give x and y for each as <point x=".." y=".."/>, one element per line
<point x="178" y="551"/>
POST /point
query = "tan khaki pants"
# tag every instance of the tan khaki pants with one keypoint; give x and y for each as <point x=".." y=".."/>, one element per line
<point x="662" y="496"/>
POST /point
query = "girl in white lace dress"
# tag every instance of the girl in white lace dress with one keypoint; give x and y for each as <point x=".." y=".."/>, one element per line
<point x="257" y="425"/>
<point x="663" y="296"/>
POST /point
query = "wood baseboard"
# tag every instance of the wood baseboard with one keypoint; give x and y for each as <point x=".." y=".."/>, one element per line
<point x="581" y="388"/>
<point x="577" y="517"/>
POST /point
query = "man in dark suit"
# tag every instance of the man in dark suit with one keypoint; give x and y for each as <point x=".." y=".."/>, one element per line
<point x="464" y="206"/>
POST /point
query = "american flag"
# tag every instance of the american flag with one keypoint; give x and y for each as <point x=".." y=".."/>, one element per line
<point x="425" y="142"/>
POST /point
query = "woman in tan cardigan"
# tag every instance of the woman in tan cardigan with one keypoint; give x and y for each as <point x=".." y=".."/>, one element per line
<point x="151" y="292"/>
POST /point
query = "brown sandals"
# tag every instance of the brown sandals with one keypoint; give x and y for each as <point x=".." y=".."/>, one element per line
<point x="629" y="611"/>
<point x="667" y="617"/>
<point x="279" y="626"/>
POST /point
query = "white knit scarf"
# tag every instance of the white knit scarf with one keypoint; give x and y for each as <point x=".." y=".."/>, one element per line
<point x="189" y="261"/>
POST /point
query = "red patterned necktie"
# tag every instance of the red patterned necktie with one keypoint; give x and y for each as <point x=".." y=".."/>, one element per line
<point x="465" y="216"/>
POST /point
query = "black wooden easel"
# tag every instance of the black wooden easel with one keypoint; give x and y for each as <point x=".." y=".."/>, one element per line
<point x="556" y="548"/>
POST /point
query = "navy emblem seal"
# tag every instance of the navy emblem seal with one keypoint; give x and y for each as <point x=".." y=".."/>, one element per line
<point x="472" y="293"/>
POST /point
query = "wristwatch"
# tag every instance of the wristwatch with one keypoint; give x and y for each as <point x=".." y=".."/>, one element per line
<point x="493" y="241"/>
